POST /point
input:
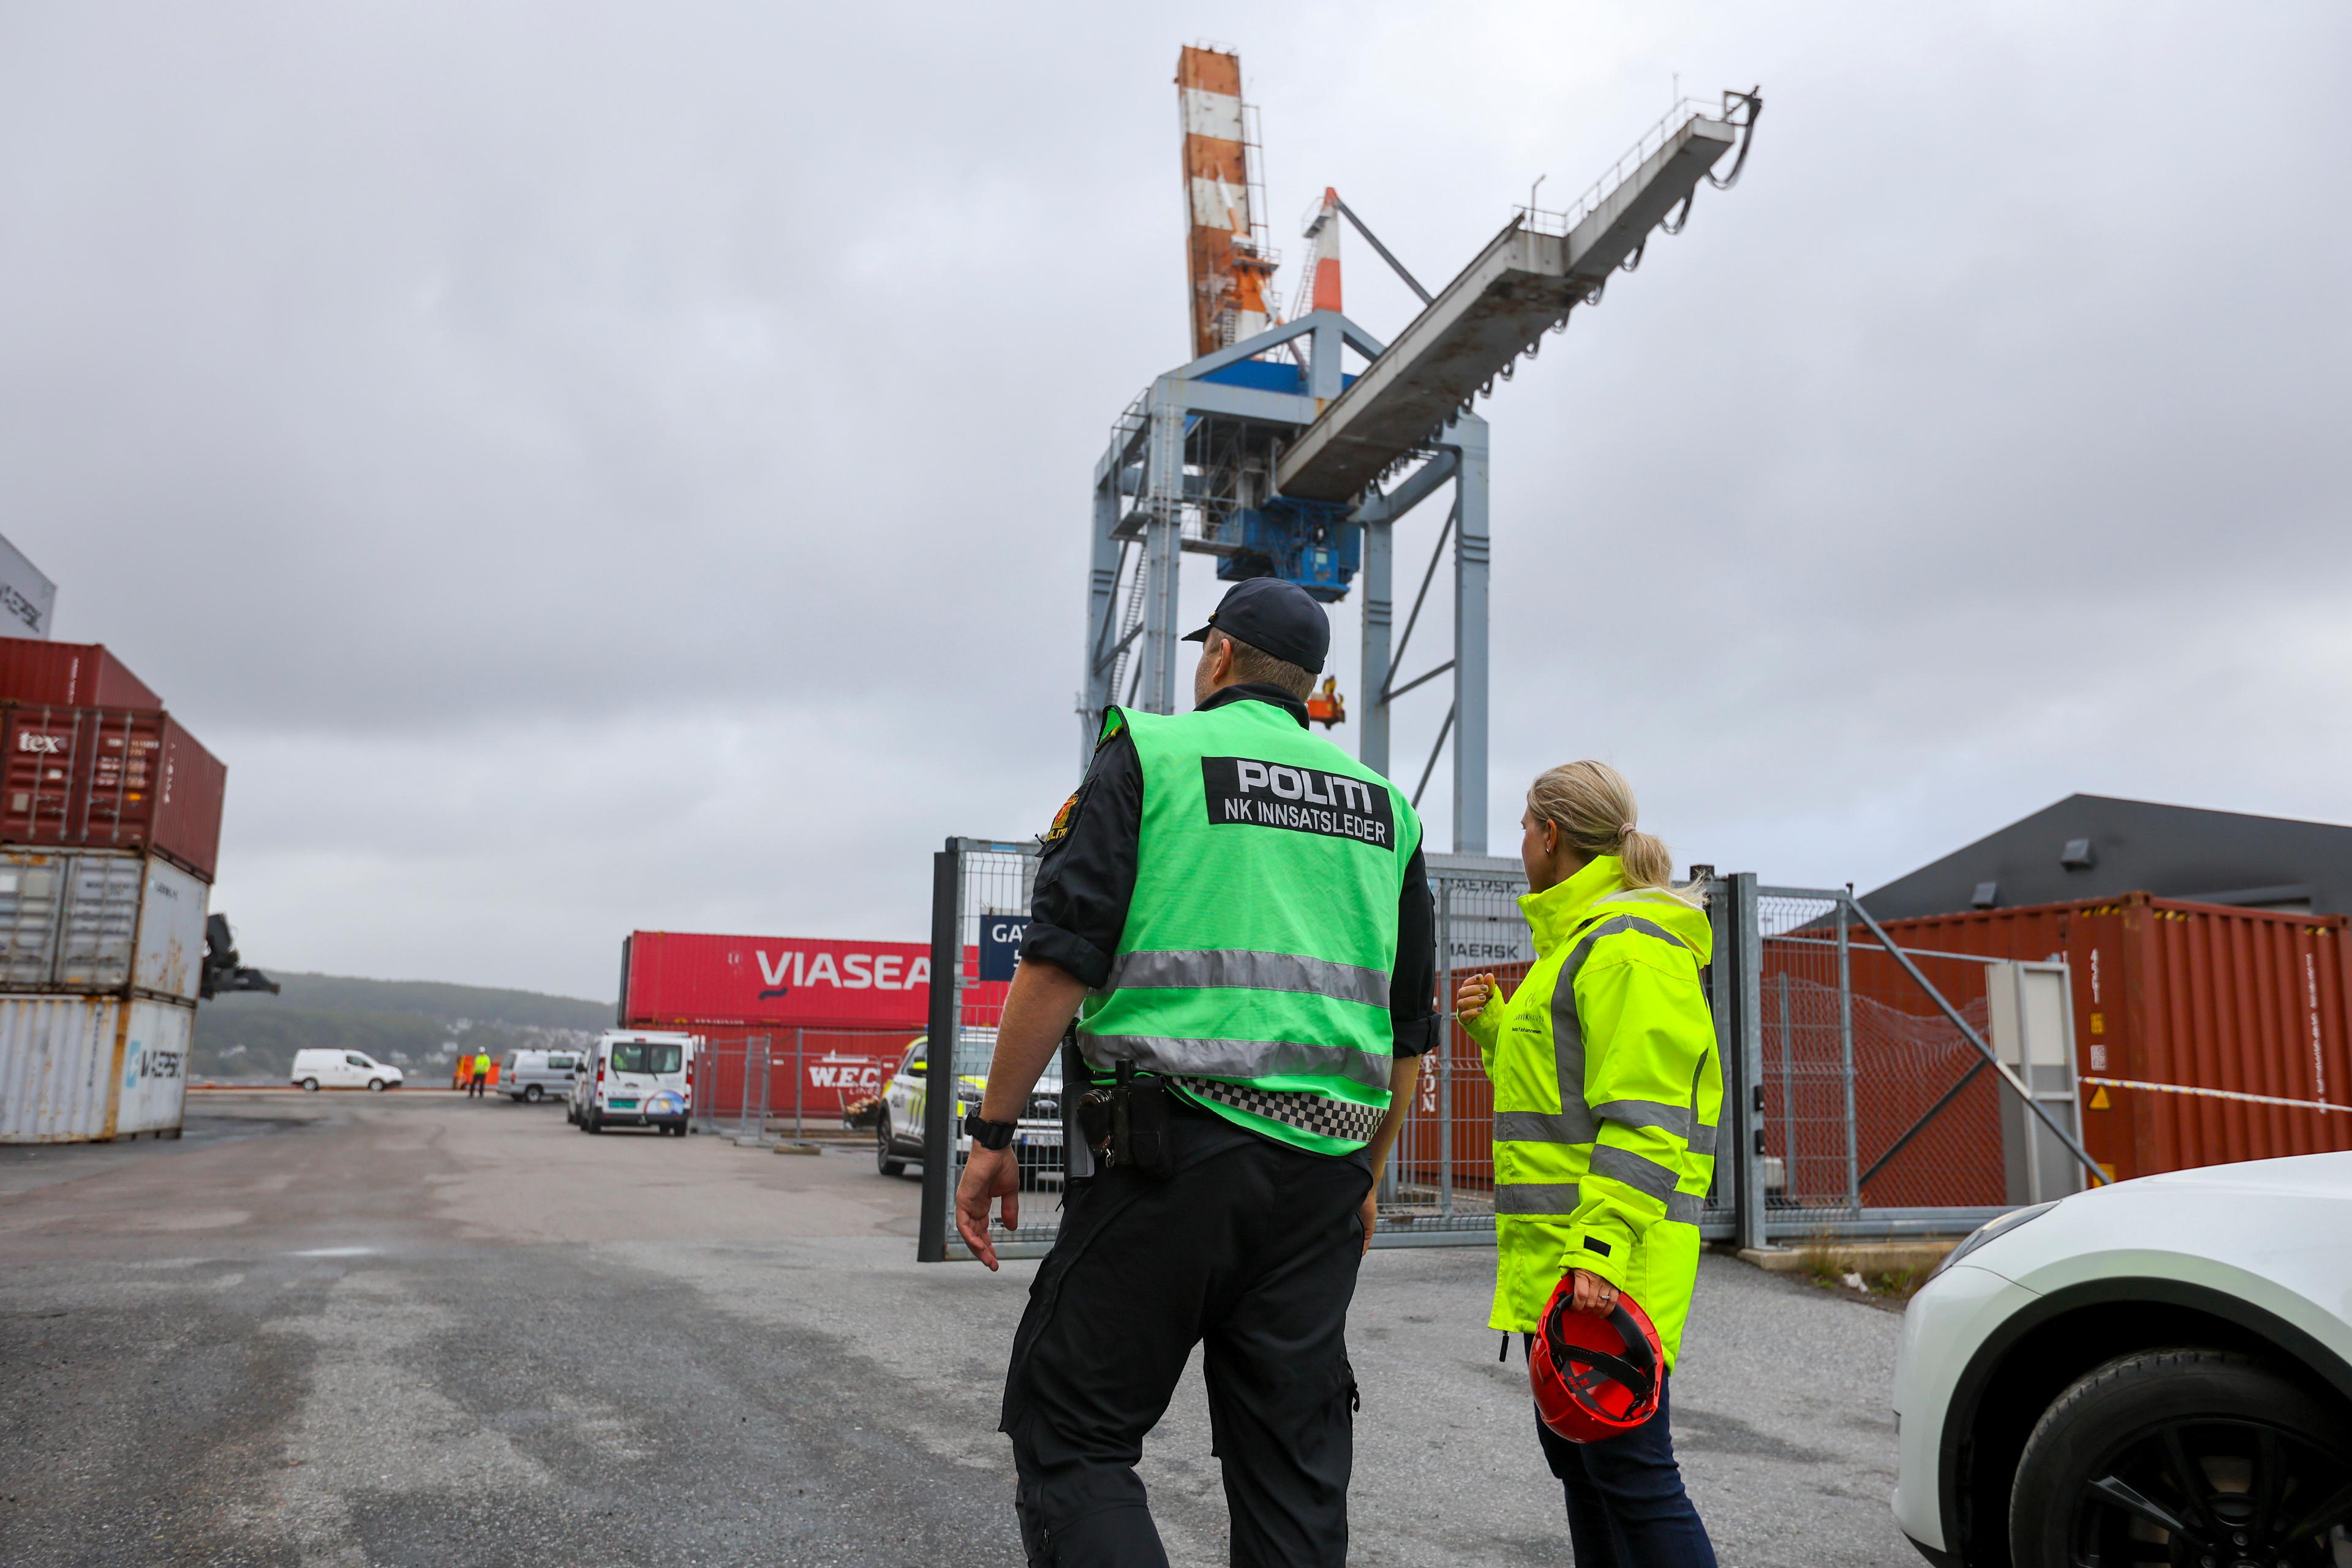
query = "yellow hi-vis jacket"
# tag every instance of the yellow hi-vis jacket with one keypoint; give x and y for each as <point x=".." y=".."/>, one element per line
<point x="1607" y="1094"/>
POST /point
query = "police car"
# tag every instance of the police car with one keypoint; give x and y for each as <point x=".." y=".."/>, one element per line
<point x="899" y="1129"/>
<point x="2156" y="1372"/>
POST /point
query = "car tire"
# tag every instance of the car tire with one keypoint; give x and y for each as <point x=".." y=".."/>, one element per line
<point x="534" y="1094"/>
<point x="2100" y="1479"/>
<point x="885" y="1160"/>
<point x="375" y="1086"/>
<point x="310" y="1086"/>
<point x="596" y="1122"/>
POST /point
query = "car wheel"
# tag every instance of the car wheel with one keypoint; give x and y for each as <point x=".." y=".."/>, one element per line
<point x="888" y="1163"/>
<point x="375" y="1086"/>
<point x="596" y="1122"/>
<point x="310" y="1084"/>
<point x="534" y="1094"/>
<point x="2184" y="1455"/>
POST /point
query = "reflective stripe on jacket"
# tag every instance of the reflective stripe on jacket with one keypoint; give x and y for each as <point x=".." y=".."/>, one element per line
<point x="1262" y="930"/>
<point x="1607" y="1095"/>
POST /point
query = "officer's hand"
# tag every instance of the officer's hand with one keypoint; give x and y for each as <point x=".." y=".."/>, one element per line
<point x="1371" y="1216"/>
<point x="987" y="1174"/>
<point x="1590" y="1293"/>
<point x="1476" y="992"/>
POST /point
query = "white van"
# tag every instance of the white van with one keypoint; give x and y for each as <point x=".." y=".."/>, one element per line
<point x="634" y="1078"/>
<point x="534" y="1075"/>
<point x="317" y="1069"/>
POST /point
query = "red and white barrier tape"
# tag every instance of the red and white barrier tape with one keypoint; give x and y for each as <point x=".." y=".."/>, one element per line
<point x="2221" y="1094"/>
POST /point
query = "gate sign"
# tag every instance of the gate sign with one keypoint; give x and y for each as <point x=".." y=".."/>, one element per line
<point x="1000" y="945"/>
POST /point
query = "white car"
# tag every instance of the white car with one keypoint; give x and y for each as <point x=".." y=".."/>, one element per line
<point x="2156" y="1372"/>
<point x="317" y="1069"/>
<point x="634" y="1078"/>
<point x="899" y="1129"/>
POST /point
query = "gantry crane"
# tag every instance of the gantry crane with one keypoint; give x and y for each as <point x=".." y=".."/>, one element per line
<point x="1264" y="452"/>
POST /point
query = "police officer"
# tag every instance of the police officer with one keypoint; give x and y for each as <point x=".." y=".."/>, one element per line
<point x="1238" y="914"/>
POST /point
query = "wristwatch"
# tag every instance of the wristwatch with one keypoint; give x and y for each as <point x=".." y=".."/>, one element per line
<point x="986" y="1133"/>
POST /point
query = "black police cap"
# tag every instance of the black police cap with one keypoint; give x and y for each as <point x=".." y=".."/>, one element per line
<point x="1280" y="617"/>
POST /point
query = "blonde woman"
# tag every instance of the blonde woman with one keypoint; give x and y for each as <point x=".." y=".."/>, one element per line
<point x="1607" y="1093"/>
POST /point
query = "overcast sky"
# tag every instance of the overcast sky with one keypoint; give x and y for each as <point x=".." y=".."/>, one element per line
<point x="588" y="467"/>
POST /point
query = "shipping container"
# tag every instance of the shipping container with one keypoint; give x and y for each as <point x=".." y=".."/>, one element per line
<point x="70" y="675"/>
<point x="112" y="778"/>
<point x="77" y="1069"/>
<point x="101" y="922"/>
<point x="153" y="1083"/>
<point x="674" y="980"/>
<point x="2204" y="1033"/>
<point x="832" y="1069"/>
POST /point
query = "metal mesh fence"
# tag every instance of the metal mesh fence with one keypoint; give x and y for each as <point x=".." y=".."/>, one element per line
<point x="993" y="884"/>
<point x="1853" y="1104"/>
<point x="1876" y="1104"/>
<point x="767" y="1084"/>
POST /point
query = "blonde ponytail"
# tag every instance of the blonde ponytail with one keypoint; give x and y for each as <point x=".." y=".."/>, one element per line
<point x="1593" y="807"/>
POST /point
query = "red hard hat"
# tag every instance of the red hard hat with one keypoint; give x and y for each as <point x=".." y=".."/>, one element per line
<point x="1595" y="1377"/>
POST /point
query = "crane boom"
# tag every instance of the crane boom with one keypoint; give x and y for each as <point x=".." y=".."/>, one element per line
<point x="1521" y="284"/>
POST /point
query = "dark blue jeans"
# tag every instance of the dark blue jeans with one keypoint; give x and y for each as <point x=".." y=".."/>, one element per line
<point x="1626" y="1505"/>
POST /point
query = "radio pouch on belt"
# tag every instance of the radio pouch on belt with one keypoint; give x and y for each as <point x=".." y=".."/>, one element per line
<point x="1129" y="1126"/>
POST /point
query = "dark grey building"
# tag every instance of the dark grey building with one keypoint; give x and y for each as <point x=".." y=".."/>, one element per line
<point x="2094" y="846"/>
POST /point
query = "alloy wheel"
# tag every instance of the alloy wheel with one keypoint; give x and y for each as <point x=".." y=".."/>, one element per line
<point x="2204" y="1492"/>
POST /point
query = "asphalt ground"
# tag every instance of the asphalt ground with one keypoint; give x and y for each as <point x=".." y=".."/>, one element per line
<point x="413" y="1330"/>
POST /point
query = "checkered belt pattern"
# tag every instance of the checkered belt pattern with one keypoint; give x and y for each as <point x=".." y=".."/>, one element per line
<point x="1307" y="1112"/>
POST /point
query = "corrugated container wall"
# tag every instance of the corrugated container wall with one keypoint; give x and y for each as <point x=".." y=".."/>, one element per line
<point x="70" y="675"/>
<point x="2180" y="1009"/>
<point x="109" y="778"/>
<point x="674" y="980"/>
<point x="74" y="1069"/>
<point x="94" y="922"/>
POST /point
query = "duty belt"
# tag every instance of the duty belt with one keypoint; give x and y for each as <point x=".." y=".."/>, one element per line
<point x="1299" y="1108"/>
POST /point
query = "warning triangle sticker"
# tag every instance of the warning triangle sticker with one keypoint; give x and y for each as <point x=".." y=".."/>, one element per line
<point x="2099" y="1100"/>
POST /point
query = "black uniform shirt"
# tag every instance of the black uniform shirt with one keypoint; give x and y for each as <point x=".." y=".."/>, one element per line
<point x="1085" y="879"/>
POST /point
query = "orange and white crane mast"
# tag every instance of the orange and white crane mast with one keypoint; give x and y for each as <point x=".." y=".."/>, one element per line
<point x="1263" y="451"/>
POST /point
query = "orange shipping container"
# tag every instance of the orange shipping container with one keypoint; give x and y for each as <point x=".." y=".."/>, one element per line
<point x="2204" y="1033"/>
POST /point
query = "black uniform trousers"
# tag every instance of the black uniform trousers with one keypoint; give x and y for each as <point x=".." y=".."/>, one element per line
<point x="1248" y="1247"/>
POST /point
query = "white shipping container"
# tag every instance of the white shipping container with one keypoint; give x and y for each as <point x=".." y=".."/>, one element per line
<point x="57" y="1062"/>
<point x="171" y="957"/>
<point x="78" y="1069"/>
<point x="154" y="1083"/>
<point x="100" y="920"/>
<point x="32" y="897"/>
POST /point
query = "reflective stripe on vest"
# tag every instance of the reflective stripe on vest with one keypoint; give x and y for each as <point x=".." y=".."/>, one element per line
<point x="1217" y="968"/>
<point x="1578" y="1123"/>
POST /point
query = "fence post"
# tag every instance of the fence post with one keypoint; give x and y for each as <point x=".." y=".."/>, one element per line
<point x="1845" y="1058"/>
<point x="939" y="1053"/>
<point x="1446" y="1047"/>
<point x="1747" y="953"/>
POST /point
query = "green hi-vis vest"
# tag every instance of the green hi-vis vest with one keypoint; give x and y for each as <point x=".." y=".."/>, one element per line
<point x="1255" y="966"/>
<point x="1608" y="1091"/>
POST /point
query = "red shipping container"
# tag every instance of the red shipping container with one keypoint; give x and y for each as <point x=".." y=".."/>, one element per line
<point x="70" y="675"/>
<point x="2204" y="1033"/>
<point x="834" y="1069"/>
<point x="112" y="778"/>
<point x="675" y="980"/>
